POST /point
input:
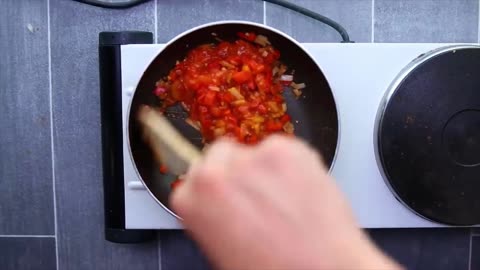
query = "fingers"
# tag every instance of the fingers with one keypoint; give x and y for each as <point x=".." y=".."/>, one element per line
<point x="232" y="162"/>
<point x="236" y="195"/>
<point x="205" y="181"/>
<point x="208" y="204"/>
<point x="282" y="151"/>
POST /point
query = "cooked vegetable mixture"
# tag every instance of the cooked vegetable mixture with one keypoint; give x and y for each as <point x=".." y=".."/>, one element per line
<point x="231" y="89"/>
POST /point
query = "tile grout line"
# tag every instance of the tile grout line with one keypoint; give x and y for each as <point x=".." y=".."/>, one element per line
<point x="156" y="21"/>
<point x="52" y="147"/>
<point x="27" y="236"/>
<point x="373" y="22"/>
<point x="159" y="251"/>
<point x="265" y="12"/>
<point x="470" y="251"/>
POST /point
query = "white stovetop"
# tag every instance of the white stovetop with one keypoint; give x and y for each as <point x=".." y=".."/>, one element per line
<point x="359" y="75"/>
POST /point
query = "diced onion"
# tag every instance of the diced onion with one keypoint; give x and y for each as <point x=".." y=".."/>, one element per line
<point x="214" y="88"/>
<point x="275" y="70"/>
<point x="238" y="102"/>
<point x="286" y="78"/>
<point x="288" y="127"/>
<point x="258" y="119"/>
<point x="298" y="86"/>
<point x="297" y="92"/>
<point x="261" y="40"/>
<point x="227" y="64"/>
<point x="282" y="69"/>
<point x="219" y="132"/>
<point x="273" y="106"/>
<point x="234" y="91"/>
<point x="185" y="106"/>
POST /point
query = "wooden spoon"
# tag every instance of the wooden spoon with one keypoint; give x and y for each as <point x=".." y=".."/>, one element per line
<point x="168" y="145"/>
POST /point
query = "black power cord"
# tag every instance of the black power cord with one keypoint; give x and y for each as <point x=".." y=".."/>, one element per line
<point x="283" y="3"/>
<point x="112" y="4"/>
<point x="314" y="15"/>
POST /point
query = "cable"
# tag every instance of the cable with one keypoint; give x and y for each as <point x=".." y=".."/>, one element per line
<point x="112" y="4"/>
<point x="336" y="26"/>
<point x="314" y="15"/>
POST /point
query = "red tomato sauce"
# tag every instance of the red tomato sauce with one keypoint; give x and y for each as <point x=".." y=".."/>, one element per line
<point x="229" y="89"/>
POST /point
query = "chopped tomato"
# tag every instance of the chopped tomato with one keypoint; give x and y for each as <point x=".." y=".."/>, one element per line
<point x="285" y="118"/>
<point x="247" y="36"/>
<point x="254" y="103"/>
<point x="256" y="67"/>
<point x="177" y="182"/>
<point x="229" y="89"/>
<point x="251" y="139"/>
<point x="272" y="125"/>
<point x="242" y="76"/>
<point x="163" y="169"/>
<point x="208" y="98"/>
<point x="227" y="97"/>
<point x="262" y="109"/>
<point x="215" y="111"/>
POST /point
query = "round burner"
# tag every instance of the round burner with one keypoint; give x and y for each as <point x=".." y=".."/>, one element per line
<point x="428" y="135"/>
<point x="461" y="136"/>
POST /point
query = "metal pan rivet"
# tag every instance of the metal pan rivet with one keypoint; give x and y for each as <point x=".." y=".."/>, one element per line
<point x="135" y="185"/>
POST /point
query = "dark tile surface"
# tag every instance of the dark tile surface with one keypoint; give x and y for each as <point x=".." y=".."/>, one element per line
<point x="426" y="248"/>
<point x="180" y="253"/>
<point x="25" y="149"/>
<point x="25" y="159"/>
<point x="354" y="15"/>
<point x="426" y="21"/>
<point x="175" y="16"/>
<point x="475" y="258"/>
<point x="76" y="111"/>
<point x="24" y="253"/>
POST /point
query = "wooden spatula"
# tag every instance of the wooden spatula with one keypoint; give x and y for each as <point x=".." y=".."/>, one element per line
<point x="168" y="145"/>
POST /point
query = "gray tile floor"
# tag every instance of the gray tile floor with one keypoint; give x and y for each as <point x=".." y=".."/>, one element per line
<point x="27" y="253"/>
<point x="306" y="29"/>
<point x="25" y="174"/>
<point x="475" y="261"/>
<point x="76" y="133"/>
<point x="50" y="160"/>
<point x="426" y="21"/>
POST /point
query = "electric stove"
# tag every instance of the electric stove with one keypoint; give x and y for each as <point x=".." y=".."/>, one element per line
<point x="396" y="117"/>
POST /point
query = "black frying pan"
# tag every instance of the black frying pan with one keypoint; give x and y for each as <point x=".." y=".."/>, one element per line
<point x="316" y="112"/>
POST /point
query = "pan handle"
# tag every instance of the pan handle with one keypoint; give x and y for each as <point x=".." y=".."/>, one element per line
<point x="112" y="144"/>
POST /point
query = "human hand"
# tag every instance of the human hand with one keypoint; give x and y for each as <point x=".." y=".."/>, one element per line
<point x="272" y="206"/>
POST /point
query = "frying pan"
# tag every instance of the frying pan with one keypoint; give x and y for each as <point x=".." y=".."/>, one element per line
<point x="314" y="114"/>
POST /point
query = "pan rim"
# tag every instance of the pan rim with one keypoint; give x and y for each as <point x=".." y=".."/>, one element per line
<point x="199" y="27"/>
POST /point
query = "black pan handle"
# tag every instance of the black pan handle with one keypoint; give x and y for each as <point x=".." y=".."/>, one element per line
<point x="112" y="146"/>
